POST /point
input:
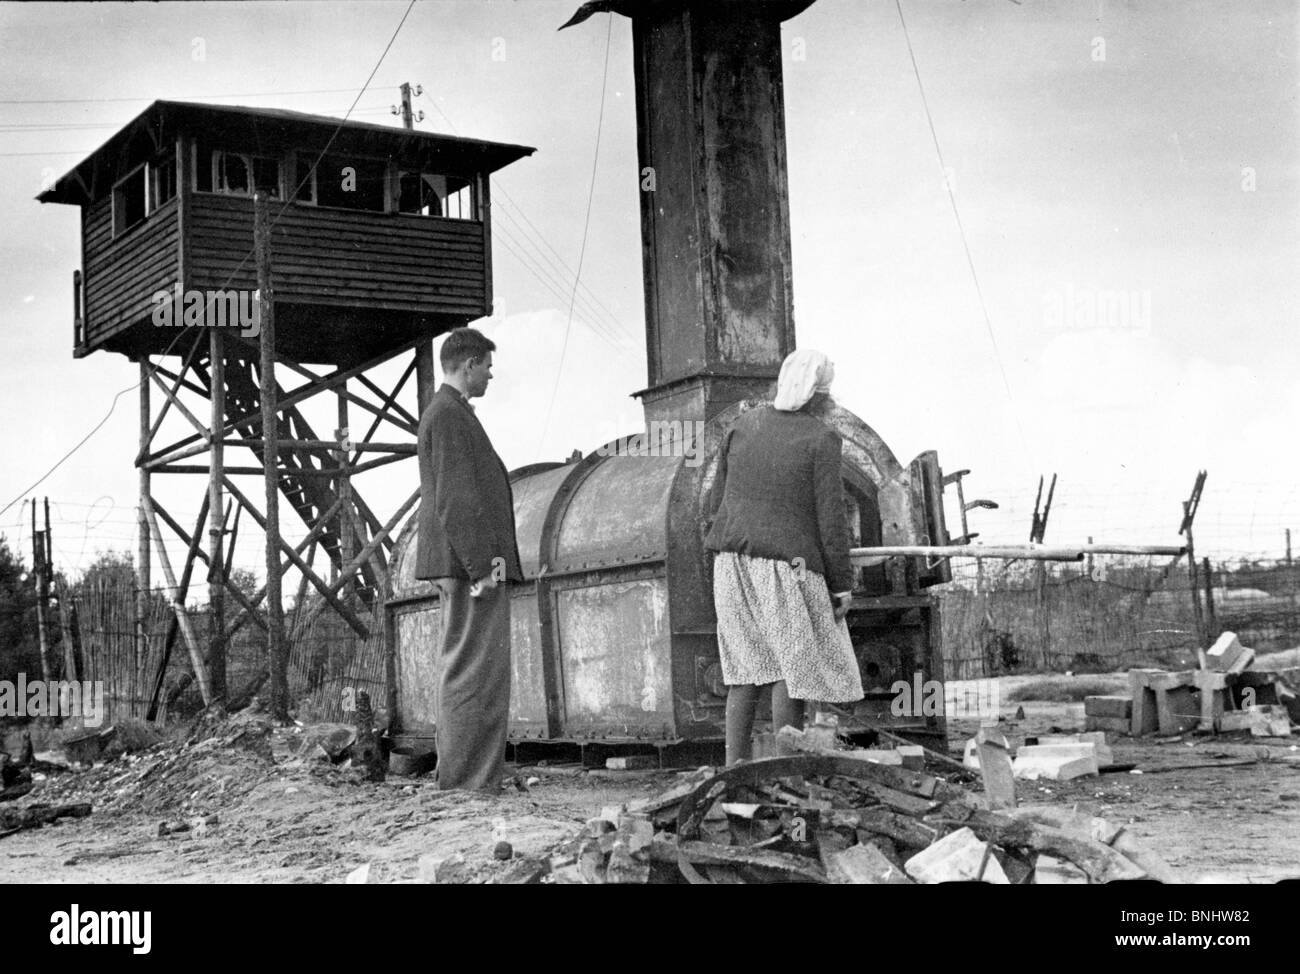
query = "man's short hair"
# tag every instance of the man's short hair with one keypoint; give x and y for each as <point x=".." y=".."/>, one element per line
<point x="462" y="345"/>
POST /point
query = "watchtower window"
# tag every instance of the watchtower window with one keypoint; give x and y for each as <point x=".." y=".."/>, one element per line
<point x="304" y="180"/>
<point x="420" y="193"/>
<point x="130" y="199"/>
<point x="162" y="181"/>
<point x="429" y="194"/>
<point x="240" y="174"/>
<point x="351" y="183"/>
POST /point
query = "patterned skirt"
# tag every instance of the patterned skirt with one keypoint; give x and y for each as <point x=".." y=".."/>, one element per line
<point x="772" y="626"/>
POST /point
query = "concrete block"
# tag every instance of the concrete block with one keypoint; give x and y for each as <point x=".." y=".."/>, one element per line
<point x="1056" y="762"/>
<point x="1170" y="679"/>
<point x="882" y="755"/>
<point x="1118" y="725"/>
<point x="1177" y="709"/>
<point x="1242" y="662"/>
<point x="999" y="777"/>
<point x="1108" y="707"/>
<point x="956" y="857"/>
<point x="1235" y="720"/>
<point x="1213" y="689"/>
<point x="1224" y="652"/>
<point x="1144" y="720"/>
<point x="1050" y="871"/>
<point x="864" y="865"/>
<point x="912" y="756"/>
<point x="1097" y="739"/>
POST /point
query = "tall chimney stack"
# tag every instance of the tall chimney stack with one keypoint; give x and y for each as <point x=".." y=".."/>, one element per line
<point x="715" y="216"/>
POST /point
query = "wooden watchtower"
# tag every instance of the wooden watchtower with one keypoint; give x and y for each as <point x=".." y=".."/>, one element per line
<point x="374" y="240"/>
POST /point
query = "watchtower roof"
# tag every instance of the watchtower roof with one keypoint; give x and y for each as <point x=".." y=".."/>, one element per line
<point x="276" y="128"/>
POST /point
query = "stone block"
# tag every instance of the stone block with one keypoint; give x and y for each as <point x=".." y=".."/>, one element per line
<point x="1121" y="707"/>
<point x="912" y="756"/>
<point x="1050" y="871"/>
<point x="1242" y="662"/>
<point x="1144" y="719"/>
<point x="1224" y="652"/>
<point x="971" y="755"/>
<point x="1097" y="739"/>
<point x="882" y="755"/>
<point x="956" y="857"/>
<point x="1118" y="725"/>
<point x="1177" y="709"/>
<point x="863" y="865"/>
<point x="1056" y="762"/>
<point x="998" y="775"/>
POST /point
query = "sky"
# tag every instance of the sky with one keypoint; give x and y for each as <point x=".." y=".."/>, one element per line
<point x="1098" y="281"/>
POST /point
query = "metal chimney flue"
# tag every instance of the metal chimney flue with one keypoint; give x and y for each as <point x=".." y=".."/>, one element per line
<point x="715" y="217"/>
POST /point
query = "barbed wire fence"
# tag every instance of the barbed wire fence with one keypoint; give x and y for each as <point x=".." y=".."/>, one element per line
<point x="1113" y="613"/>
<point x="1109" y="613"/>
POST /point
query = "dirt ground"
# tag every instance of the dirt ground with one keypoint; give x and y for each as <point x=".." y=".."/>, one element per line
<point x="284" y="819"/>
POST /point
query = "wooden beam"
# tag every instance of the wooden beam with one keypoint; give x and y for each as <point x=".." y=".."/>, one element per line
<point x="185" y="383"/>
<point x="167" y="402"/>
<point x="173" y="628"/>
<point x="350" y="569"/>
<point x="180" y="532"/>
<point x="277" y="656"/>
<point x="316" y="580"/>
<point x="312" y="537"/>
<point x="388" y="402"/>
<point x="328" y="382"/>
<point x="216" y="518"/>
<point x="178" y="607"/>
<point x="391" y="400"/>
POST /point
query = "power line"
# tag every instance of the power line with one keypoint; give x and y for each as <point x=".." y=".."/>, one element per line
<point x="616" y="327"/>
<point x="150" y="98"/>
<point x="961" y="229"/>
<point x="586" y="225"/>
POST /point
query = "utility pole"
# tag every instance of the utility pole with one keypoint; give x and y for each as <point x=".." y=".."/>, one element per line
<point x="424" y="376"/>
<point x="409" y="117"/>
<point x="40" y="565"/>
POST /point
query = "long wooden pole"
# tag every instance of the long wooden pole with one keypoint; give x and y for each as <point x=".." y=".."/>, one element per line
<point x="178" y="607"/>
<point x="1029" y="552"/>
<point x="216" y="520"/>
<point x="142" y="548"/>
<point x="277" y="657"/>
<point x="42" y="596"/>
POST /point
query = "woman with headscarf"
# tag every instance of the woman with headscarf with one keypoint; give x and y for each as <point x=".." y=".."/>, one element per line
<point x="781" y="575"/>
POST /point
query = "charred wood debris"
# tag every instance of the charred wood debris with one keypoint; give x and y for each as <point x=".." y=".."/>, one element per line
<point x="829" y="813"/>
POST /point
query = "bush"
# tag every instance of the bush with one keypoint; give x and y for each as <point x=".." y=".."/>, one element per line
<point x="1066" y="689"/>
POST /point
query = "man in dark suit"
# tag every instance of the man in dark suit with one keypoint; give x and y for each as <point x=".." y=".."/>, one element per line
<point x="467" y="548"/>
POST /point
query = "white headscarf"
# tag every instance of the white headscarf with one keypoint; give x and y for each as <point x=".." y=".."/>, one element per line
<point x="805" y="371"/>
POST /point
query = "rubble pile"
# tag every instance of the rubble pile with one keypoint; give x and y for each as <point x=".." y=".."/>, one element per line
<point x="830" y="814"/>
<point x="221" y="760"/>
<point x="1224" y="694"/>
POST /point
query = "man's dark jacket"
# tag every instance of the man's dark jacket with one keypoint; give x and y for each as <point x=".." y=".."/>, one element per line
<point x="779" y="494"/>
<point x="467" y="513"/>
